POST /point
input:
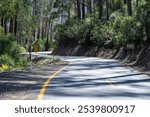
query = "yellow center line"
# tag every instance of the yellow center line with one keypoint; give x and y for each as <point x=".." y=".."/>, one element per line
<point x="43" y="89"/>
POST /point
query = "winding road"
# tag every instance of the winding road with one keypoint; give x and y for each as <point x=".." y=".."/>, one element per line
<point x="96" y="78"/>
<point x="83" y="78"/>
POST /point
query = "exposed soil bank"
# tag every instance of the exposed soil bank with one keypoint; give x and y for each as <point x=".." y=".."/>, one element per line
<point x="138" y="58"/>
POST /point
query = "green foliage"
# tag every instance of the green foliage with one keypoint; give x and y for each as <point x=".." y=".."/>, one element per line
<point x="3" y="68"/>
<point x="127" y="30"/>
<point x="1" y="31"/>
<point x="7" y="60"/>
<point x="22" y="62"/>
<point x="131" y="30"/>
<point x="16" y="50"/>
<point x="67" y="34"/>
<point x="42" y="42"/>
<point x="7" y="8"/>
<point x="118" y="30"/>
<point x="143" y="14"/>
<point x="74" y="32"/>
<point x="10" y="52"/>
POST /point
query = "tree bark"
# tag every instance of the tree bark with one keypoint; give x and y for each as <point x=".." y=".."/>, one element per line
<point x="112" y="3"/>
<point x="69" y="14"/>
<point x="5" y="25"/>
<point x="83" y="9"/>
<point x="78" y="9"/>
<point x="107" y="9"/>
<point x="125" y="1"/>
<point x="51" y="30"/>
<point x="47" y="36"/>
<point x="137" y="3"/>
<point x="2" y="22"/>
<point x="100" y="4"/>
<point x="90" y="6"/>
<point x="129" y="7"/>
<point x="15" y="26"/>
<point x="11" y="28"/>
<point x="38" y="35"/>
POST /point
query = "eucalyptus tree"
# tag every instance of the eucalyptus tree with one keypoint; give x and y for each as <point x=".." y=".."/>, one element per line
<point x="78" y="9"/>
<point x="129" y="5"/>
<point x="137" y="3"/>
<point x="107" y="9"/>
<point x="90" y="6"/>
<point x="100" y="5"/>
<point x="83" y="9"/>
<point x="8" y="11"/>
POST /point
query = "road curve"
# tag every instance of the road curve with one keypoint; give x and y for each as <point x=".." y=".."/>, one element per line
<point x="97" y="78"/>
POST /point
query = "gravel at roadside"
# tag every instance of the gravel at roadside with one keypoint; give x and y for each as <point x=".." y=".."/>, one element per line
<point x="26" y="84"/>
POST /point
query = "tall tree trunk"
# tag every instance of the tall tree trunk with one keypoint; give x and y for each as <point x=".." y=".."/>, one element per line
<point x="83" y="9"/>
<point x="129" y="7"/>
<point x="100" y="5"/>
<point x="30" y="50"/>
<point x="15" y="26"/>
<point x="78" y="9"/>
<point x="69" y="14"/>
<point x="2" y="22"/>
<point x="125" y="1"/>
<point x="34" y="14"/>
<point x="51" y="30"/>
<point x="47" y="36"/>
<point x="5" y="25"/>
<point x="62" y="18"/>
<point x="137" y="3"/>
<point x="40" y="29"/>
<point x="11" y="28"/>
<point x="107" y="9"/>
<point x="47" y="43"/>
<point x="42" y="32"/>
<point x="147" y="26"/>
<point x="75" y="7"/>
<point x="16" y="20"/>
<point x="90" y="6"/>
<point x="38" y="35"/>
<point x="111" y="3"/>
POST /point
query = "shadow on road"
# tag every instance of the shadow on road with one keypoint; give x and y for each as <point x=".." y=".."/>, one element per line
<point x="29" y="80"/>
<point x="94" y="78"/>
<point x="99" y="79"/>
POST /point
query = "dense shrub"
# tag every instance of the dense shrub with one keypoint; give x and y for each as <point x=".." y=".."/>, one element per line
<point x="10" y="52"/>
<point x="119" y="30"/>
<point x="127" y="30"/>
<point x="6" y="59"/>
<point x="3" y="67"/>
<point x="74" y="32"/>
<point x="22" y="62"/>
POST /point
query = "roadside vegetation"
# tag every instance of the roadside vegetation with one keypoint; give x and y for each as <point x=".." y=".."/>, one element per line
<point x="112" y="23"/>
<point x="109" y="28"/>
<point x="79" y="25"/>
<point x="10" y="52"/>
<point x="25" y="26"/>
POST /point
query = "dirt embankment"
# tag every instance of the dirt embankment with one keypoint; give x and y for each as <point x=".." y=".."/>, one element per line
<point x="138" y="58"/>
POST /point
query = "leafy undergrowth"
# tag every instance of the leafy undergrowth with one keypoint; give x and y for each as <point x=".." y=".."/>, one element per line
<point x="10" y="52"/>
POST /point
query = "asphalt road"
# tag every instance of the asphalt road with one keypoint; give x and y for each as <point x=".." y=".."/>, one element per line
<point x="83" y="78"/>
<point x="96" y="78"/>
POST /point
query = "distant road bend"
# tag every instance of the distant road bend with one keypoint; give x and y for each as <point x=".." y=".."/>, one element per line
<point x="95" y="78"/>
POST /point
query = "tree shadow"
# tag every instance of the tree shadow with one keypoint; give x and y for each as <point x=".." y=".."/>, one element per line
<point x="73" y="82"/>
<point x="26" y="80"/>
<point x="84" y="78"/>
